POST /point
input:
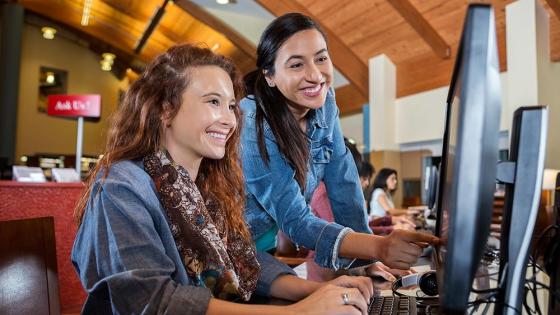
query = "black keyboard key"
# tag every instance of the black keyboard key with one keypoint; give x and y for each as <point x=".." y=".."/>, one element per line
<point x="389" y="305"/>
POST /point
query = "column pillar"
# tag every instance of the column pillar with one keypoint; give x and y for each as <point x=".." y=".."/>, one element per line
<point x="382" y="117"/>
<point x="382" y="96"/>
<point x="11" y="29"/>
<point x="532" y="79"/>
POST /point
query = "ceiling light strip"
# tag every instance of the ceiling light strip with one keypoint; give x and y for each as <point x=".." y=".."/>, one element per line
<point x="85" y="14"/>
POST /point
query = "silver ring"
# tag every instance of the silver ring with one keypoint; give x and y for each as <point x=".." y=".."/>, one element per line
<point x="345" y="298"/>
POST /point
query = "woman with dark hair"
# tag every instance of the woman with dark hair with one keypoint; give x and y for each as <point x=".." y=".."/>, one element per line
<point x="291" y="140"/>
<point x="381" y="203"/>
<point x="161" y="219"/>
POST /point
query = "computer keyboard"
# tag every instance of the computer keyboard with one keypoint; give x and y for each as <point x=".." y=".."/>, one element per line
<point x="392" y="305"/>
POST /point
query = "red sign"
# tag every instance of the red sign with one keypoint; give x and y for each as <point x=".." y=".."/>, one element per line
<point x="85" y="105"/>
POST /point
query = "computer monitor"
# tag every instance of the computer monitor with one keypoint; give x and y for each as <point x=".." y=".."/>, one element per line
<point x="522" y="175"/>
<point x="470" y="152"/>
<point x="432" y="176"/>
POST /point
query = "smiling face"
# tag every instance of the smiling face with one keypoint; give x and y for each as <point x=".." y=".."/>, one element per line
<point x="303" y="71"/>
<point x="205" y="120"/>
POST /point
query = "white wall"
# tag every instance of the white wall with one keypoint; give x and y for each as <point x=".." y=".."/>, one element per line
<point x="534" y="79"/>
<point x="353" y="127"/>
<point x="421" y="117"/>
<point x="549" y="89"/>
<point x="250" y="26"/>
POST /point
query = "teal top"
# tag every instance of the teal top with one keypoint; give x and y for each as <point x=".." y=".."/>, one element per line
<point x="267" y="241"/>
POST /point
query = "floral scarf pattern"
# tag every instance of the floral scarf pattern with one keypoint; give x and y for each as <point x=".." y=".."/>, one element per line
<point x="213" y="257"/>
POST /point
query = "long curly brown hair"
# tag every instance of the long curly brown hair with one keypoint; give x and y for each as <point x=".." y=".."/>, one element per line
<point x="136" y="129"/>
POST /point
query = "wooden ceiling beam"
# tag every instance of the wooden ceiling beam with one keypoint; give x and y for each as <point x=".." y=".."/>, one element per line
<point x="555" y="6"/>
<point x="143" y="19"/>
<point x="205" y="17"/>
<point x="349" y="99"/>
<point x="344" y="59"/>
<point x="422" y="27"/>
<point x="150" y="27"/>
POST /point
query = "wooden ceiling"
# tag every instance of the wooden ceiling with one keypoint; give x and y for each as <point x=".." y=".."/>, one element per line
<point x="415" y="34"/>
<point x="420" y="36"/>
<point x="121" y="23"/>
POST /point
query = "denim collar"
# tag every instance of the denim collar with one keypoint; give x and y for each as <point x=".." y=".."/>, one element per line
<point x="316" y="117"/>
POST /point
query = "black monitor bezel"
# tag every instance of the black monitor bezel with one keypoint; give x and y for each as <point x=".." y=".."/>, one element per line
<point x="456" y="273"/>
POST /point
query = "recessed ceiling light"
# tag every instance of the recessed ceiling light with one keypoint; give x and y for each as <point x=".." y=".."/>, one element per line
<point x="222" y="1"/>
<point x="48" y="32"/>
<point x="108" y="56"/>
<point x="107" y="61"/>
<point x="106" y="65"/>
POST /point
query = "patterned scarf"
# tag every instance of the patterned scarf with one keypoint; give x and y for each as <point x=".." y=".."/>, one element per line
<point x="213" y="257"/>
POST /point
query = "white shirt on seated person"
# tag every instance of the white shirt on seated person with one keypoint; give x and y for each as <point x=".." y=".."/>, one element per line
<point x="376" y="209"/>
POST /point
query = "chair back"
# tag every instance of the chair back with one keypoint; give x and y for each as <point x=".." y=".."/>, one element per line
<point x="28" y="271"/>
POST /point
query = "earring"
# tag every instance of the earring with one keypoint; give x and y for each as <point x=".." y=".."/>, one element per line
<point x="271" y="84"/>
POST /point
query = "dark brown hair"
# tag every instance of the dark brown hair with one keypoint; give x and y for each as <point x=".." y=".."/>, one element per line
<point x="136" y="129"/>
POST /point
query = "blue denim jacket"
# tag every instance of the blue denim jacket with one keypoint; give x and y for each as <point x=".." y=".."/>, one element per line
<point x="275" y="198"/>
<point x="126" y="257"/>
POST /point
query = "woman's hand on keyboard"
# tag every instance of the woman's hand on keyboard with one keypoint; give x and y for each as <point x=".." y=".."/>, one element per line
<point x="364" y="284"/>
<point x="330" y="300"/>
<point x="403" y="222"/>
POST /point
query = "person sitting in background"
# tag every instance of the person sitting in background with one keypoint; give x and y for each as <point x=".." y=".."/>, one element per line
<point x="161" y="219"/>
<point x="381" y="204"/>
<point x="366" y="171"/>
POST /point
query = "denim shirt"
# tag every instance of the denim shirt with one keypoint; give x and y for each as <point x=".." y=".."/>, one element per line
<point x="274" y="197"/>
<point x="126" y="257"/>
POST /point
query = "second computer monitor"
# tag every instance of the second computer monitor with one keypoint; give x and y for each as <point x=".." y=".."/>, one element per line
<point x="470" y="152"/>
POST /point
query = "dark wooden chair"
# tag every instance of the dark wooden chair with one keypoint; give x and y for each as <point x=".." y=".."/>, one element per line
<point x="287" y="252"/>
<point x="5" y="168"/>
<point x="28" y="271"/>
